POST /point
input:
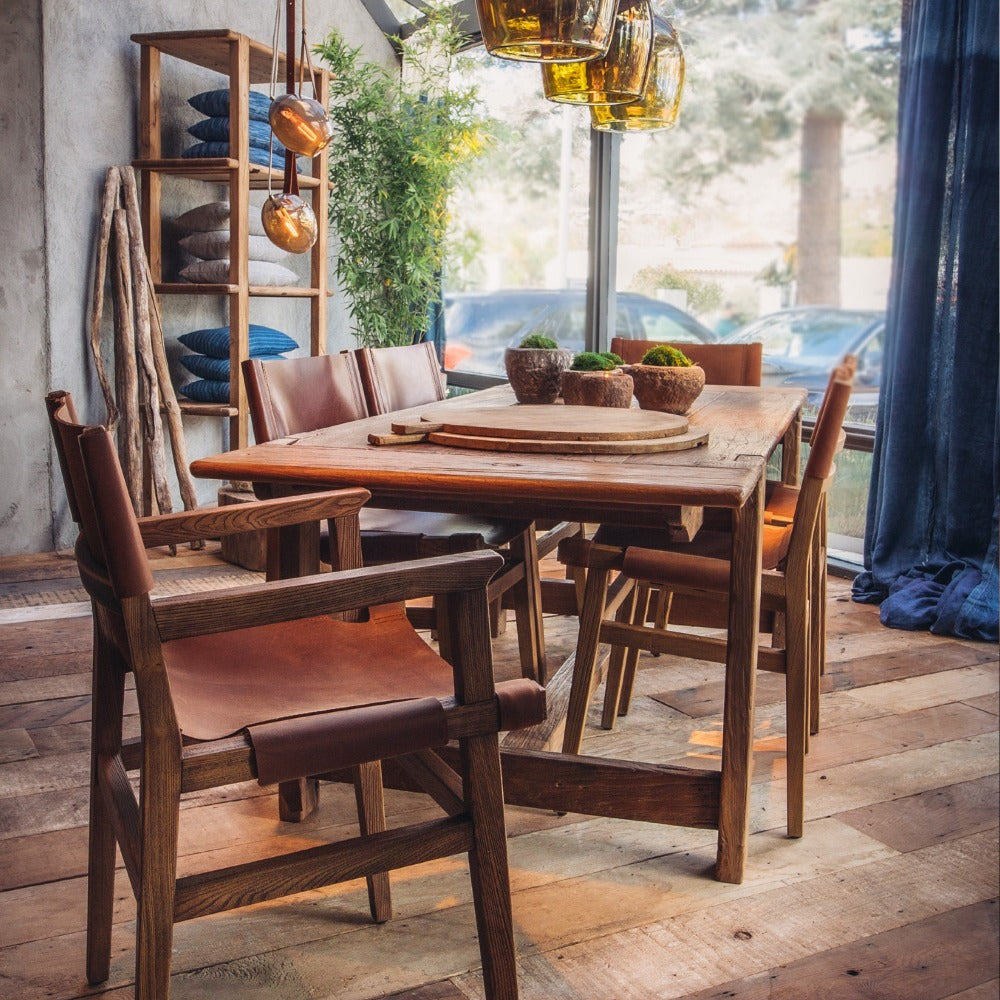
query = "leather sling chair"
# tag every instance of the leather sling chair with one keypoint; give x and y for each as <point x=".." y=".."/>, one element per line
<point x="271" y="682"/>
<point x="297" y="395"/>
<point x="698" y="572"/>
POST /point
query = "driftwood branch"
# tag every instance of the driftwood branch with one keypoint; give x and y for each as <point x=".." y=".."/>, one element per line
<point x="111" y="185"/>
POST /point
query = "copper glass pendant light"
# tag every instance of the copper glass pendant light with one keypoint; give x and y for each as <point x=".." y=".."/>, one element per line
<point x="661" y="100"/>
<point x="546" y="30"/>
<point x="288" y="219"/>
<point x="619" y="76"/>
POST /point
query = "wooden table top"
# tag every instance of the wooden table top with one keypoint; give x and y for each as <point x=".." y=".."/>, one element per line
<point x="744" y="425"/>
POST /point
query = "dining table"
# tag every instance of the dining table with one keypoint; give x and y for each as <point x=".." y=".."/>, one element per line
<point x="744" y="426"/>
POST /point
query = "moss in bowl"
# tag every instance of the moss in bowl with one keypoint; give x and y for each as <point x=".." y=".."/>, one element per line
<point x="534" y="368"/>
<point x="666" y="379"/>
<point x="596" y="379"/>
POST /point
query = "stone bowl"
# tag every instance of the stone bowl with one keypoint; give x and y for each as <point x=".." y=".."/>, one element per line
<point x="671" y="390"/>
<point x="613" y="388"/>
<point x="534" y="372"/>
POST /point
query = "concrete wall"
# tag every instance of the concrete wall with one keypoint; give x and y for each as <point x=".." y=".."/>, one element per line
<point x="67" y="112"/>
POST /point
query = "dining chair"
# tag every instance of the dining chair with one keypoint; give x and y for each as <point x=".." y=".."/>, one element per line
<point x="269" y="682"/>
<point x="698" y="572"/>
<point x="397" y="378"/>
<point x="724" y="364"/>
<point x="297" y="395"/>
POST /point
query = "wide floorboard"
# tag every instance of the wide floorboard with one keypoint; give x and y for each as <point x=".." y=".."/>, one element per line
<point x="891" y="893"/>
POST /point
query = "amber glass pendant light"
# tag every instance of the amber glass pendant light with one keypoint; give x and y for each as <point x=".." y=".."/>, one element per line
<point x="661" y="100"/>
<point x="288" y="219"/>
<point x="618" y="77"/>
<point x="546" y="30"/>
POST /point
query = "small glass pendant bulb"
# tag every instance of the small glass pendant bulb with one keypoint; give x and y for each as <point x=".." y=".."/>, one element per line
<point x="289" y="222"/>
<point x="301" y="123"/>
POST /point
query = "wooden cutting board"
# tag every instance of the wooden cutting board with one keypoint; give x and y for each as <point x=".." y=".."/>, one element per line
<point x="628" y="446"/>
<point x="549" y="423"/>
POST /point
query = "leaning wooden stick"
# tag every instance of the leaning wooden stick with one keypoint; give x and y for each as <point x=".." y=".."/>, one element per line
<point x="149" y="394"/>
<point x="167" y="396"/>
<point x="126" y="380"/>
<point x="112" y="183"/>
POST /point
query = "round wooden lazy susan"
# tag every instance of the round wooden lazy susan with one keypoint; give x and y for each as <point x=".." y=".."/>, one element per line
<point x="583" y="430"/>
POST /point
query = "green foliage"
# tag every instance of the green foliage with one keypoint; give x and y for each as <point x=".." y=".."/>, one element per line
<point x="592" y="361"/>
<point x="702" y="296"/>
<point x="666" y="357"/>
<point x="539" y="341"/>
<point x="398" y="151"/>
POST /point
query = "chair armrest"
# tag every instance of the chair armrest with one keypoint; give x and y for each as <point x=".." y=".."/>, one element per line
<point x="321" y="594"/>
<point x="213" y="522"/>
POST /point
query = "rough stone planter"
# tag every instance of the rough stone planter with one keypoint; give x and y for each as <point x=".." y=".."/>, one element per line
<point x="671" y="390"/>
<point x="534" y="372"/>
<point x="612" y="388"/>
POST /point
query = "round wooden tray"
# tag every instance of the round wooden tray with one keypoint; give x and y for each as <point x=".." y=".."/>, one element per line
<point x="627" y="446"/>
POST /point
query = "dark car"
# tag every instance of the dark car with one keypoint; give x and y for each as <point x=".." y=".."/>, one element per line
<point x="802" y="345"/>
<point x="480" y="326"/>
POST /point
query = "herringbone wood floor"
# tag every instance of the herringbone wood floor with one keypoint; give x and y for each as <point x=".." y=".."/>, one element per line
<point x="890" y="894"/>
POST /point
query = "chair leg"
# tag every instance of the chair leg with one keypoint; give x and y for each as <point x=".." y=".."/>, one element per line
<point x="488" y="868"/>
<point x="796" y="710"/>
<point x="662" y="609"/>
<point x="616" y="665"/>
<point x="106" y="730"/>
<point x="159" y="811"/>
<point x="527" y="595"/>
<point x="371" y="819"/>
<point x="632" y="659"/>
<point x="585" y="663"/>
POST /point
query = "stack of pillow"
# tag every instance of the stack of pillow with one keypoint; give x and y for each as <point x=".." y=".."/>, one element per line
<point x="210" y="362"/>
<point x="207" y="227"/>
<point x="214" y="130"/>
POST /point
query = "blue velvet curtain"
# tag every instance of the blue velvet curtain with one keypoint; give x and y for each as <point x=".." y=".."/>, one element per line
<point x="931" y="539"/>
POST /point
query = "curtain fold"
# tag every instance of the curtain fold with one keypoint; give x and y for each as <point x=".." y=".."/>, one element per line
<point x="931" y="538"/>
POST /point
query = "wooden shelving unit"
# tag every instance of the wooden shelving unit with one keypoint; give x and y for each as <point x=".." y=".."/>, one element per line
<point x="245" y="62"/>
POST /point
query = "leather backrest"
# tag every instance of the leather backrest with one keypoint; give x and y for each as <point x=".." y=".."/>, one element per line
<point x="724" y="364"/>
<point x="99" y="500"/>
<point x="296" y="395"/>
<point x="826" y="436"/>
<point x="395" y="378"/>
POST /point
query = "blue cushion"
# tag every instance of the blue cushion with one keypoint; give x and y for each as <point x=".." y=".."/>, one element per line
<point x="215" y="342"/>
<point x="207" y="391"/>
<point x="217" y="130"/>
<point x="215" y="104"/>
<point x="216" y="368"/>
<point x="257" y="155"/>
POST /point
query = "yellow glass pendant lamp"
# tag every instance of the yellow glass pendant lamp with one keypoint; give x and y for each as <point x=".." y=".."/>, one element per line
<point x="301" y="123"/>
<point x="661" y="101"/>
<point x="298" y="122"/>
<point x="289" y="222"/>
<point x="618" y="77"/>
<point x="546" y="30"/>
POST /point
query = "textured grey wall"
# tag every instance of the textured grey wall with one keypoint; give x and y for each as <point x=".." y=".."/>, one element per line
<point x="67" y="112"/>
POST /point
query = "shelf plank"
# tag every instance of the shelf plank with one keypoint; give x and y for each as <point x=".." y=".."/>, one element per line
<point x="217" y="169"/>
<point x="258" y="291"/>
<point x="210" y="49"/>
<point x="207" y="409"/>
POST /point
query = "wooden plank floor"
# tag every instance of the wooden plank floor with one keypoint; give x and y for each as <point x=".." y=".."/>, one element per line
<point x="890" y="894"/>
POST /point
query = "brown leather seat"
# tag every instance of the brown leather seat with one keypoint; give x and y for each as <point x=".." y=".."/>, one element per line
<point x="296" y="395"/>
<point x="724" y="364"/>
<point x="698" y="574"/>
<point x="396" y="378"/>
<point x="272" y="682"/>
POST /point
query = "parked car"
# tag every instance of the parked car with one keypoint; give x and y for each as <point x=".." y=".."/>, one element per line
<point x="480" y="326"/>
<point x="802" y="345"/>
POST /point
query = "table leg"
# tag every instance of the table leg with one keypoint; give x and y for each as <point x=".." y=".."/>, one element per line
<point x="741" y="669"/>
<point x="791" y="450"/>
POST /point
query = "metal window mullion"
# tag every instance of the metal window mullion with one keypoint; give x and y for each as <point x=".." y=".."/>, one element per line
<point x="602" y="239"/>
